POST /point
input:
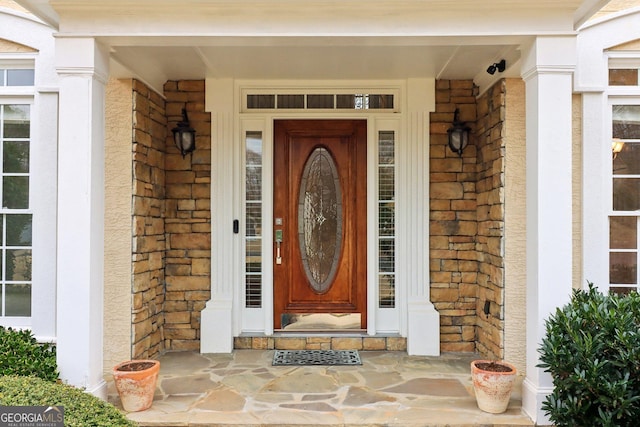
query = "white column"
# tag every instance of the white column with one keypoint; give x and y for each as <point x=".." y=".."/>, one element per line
<point x="423" y="321"/>
<point x="547" y="70"/>
<point x="217" y="318"/>
<point x="82" y="65"/>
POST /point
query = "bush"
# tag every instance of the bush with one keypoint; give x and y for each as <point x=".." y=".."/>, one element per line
<point x="21" y="354"/>
<point x="80" y="409"/>
<point x="592" y="350"/>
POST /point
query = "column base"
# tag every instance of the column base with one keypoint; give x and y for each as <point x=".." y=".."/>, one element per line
<point x="216" y="329"/>
<point x="424" y="329"/>
<point x="532" y="398"/>
<point x="99" y="390"/>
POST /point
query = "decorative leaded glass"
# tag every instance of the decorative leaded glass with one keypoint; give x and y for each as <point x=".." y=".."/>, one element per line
<point x="320" y="219"/>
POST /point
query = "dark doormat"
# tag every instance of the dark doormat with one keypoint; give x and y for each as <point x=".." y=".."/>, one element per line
<point x="316" y="357"/>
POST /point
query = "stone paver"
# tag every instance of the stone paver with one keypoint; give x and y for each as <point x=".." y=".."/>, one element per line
<point x="388" y="389"/>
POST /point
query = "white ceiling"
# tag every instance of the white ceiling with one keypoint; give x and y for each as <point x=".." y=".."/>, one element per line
<point x="316" y="58"/>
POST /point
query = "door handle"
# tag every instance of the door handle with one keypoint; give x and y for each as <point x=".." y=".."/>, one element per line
<point x="278" y="244"/>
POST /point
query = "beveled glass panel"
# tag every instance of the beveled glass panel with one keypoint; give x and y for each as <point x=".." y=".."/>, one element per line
<point x="16" y="157"/>
<point x="16" y="122"/>
<point x="18" y="300"/>
<point x="15" y="192"/>
<point x="19" y="230"/>
<point x="627" y="161"/>
<point x="623" y="267"/>
<point x="626" y="194"/>
<point x="320" y="219"/>
<point x="18" y="265"/>
<point x="626" y="121"/>
<point x="623" y="232"/>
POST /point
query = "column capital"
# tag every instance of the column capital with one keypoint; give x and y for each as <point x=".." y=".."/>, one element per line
<point x="78" y="56"/>
<point x="549" y="55"/>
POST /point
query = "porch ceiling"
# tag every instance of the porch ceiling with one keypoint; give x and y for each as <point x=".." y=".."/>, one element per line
<point x="317" y="58"/>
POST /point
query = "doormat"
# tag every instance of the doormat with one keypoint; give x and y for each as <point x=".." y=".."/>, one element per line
<point x="316" y="357"/>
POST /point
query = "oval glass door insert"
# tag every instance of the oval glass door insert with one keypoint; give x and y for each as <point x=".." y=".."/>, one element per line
<point x="320" y="219"/>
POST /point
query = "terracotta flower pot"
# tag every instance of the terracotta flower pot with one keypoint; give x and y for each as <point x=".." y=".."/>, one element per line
<point x="492" y="382"/>
<point x="136" y="381"/>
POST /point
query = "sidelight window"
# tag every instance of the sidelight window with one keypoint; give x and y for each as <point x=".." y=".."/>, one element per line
<point x="253" y="219"/>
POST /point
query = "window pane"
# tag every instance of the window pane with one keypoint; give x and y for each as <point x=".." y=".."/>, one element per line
<point x="627" y="161"/>
<point x="16" y="157"/>
<point x="621" y="77"/>
<point x="20" y="77"/>
<point x="18" y="300"/>
<point x="290" y="101"/>
<point x="626" y="121"/>
<point x="387" y="291"/>
<point x="16" y="121"/>
<point x="626" y="194"/>
<point x="18" y="230"/>
<point x="15" y="192"/>
<point x="380" y="101"/>
<point x="623" y="267"/>
<point x="261" y="101"/>
<point x="18" y="265"/>
<point x="320" y="101"/>
<point x="3" y="73"/>
<point x="623" y="232"/>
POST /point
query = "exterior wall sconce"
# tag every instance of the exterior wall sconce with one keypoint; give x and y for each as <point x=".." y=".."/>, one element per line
<point x="184" y="135"/>
<point x="616" y="146"/>
<point x="497" y="66"/>
<point x="458" y="135"/>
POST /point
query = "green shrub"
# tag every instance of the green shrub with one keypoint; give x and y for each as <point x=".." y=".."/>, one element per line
<point x="592" y="350"/>
<point x="80" y="409"/>
<point x="21" y="354"/>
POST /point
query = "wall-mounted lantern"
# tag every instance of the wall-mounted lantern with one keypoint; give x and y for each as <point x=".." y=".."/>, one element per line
<point x="184" y="135"/>
<point x="458" y="134"/>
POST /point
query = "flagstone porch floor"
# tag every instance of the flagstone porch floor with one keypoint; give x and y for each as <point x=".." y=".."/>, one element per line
<point x="388" y="389"/>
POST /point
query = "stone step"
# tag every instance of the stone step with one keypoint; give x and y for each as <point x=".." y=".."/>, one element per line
<point x="321" y="342"/>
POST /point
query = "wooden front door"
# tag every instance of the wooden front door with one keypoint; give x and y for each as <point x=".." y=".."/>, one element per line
<point x="320" y="218"/>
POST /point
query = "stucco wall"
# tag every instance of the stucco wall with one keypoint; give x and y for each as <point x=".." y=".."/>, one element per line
<point x="579" y="281"/>
<point x="117" y="263"/>
<point x="514" y="133"/>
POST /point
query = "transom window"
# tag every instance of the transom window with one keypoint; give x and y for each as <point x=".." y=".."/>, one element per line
<point x="319" y="101"/>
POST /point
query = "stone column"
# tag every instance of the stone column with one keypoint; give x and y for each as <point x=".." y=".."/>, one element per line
<point x="548" y="65"/>
<point x="82" y="65"/>
<point x="423" y="321"/>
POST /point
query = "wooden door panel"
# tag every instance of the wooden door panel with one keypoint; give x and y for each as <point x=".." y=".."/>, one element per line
<point x="341" y="143"/>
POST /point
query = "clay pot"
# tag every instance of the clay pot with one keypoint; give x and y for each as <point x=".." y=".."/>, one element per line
<point x="492" y="382"/>
<point x="136" y="381"/>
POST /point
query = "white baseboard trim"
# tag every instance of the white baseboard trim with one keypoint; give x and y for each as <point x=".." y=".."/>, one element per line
<point x="532" y="398"/>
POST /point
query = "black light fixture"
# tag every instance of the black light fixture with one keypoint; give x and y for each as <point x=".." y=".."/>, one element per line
<point x="458" y="134"/>
<point x="497" y="66"/>
<point x="184" y="135"/>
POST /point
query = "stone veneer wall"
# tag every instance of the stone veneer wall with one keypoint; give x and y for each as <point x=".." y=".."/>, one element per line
<point x="453" y="225"/>
<point x="148" y="240"/>
<point x="187" y="218"/>
<point x="490" y="186"/>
